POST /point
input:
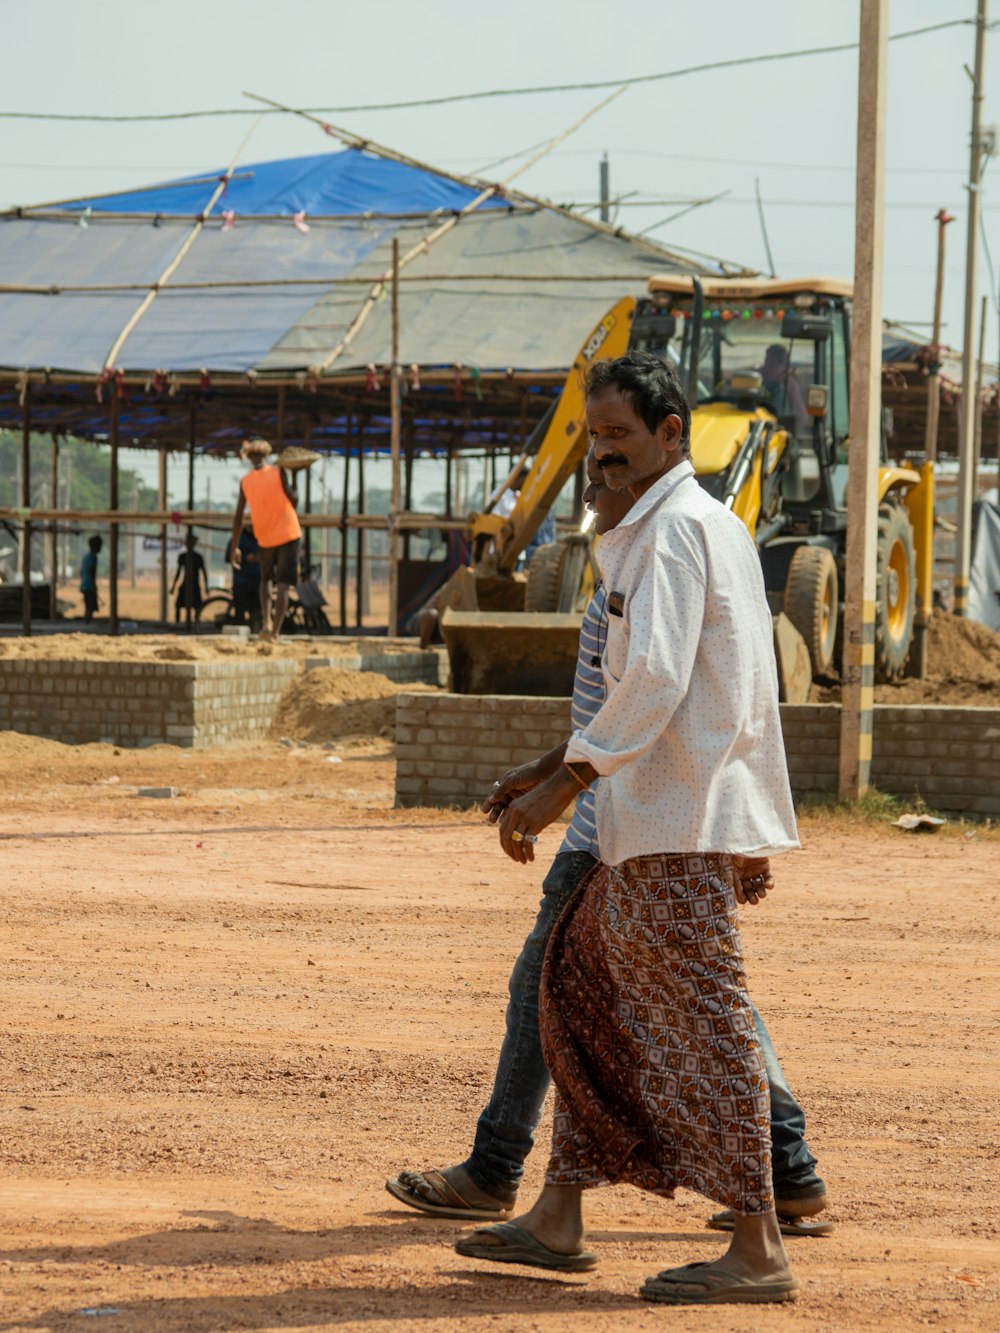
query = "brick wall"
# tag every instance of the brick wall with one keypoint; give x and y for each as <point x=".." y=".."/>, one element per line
<point x="430" y="666"/>
<point x="450" y="747"/>
<point x="189" y="704"/>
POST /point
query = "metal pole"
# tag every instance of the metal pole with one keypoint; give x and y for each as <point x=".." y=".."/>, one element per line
<point x="162" y="501"/>
<point x="605" y="183"/>
<point x="966" y="442"/>
<point x="26" y="507"/>
<point x="113" y="504"/>
<point x="866" y="398"/>
<point x="395" y="428"/>
<point x="54" y="531"/>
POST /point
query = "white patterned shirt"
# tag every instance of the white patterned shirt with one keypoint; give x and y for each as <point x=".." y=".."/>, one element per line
<point x="688" y="743"/>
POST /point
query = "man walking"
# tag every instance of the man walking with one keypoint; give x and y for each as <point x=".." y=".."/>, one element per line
<point x="647" y="1026"/>
<point x="486" y="1184"/>
<point x="272" y="500"/>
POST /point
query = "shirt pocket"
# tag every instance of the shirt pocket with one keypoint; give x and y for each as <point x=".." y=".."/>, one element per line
<point x="616" y="652"/>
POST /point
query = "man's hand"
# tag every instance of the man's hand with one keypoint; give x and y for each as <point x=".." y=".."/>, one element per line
<point x="752" y="877"/>
<point x="523" y="819"/>
<point x="236" y="557"/>
<point x="515" y="782"/>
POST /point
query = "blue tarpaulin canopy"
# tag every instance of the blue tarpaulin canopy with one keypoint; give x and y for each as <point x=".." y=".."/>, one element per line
<point x="271" y="279"/>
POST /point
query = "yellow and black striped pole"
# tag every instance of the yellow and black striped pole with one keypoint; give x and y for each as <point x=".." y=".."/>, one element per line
<point x="857" y="695"/>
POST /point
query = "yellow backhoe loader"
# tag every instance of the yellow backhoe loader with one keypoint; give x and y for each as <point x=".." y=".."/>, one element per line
<point x="766" y="366"/>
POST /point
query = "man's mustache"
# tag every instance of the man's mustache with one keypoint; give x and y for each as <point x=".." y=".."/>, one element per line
<point x="611" y="460"/>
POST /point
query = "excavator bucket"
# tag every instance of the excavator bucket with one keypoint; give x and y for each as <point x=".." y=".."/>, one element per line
<point x="511" y="652"/>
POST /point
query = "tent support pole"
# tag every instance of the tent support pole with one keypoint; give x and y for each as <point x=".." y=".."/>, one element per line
<point x="113" y="504"/>
<point x="343" y="525"/>
<point x="54" y="529"/>
<point x="162" y="502"/>
<point x="361" y="565"/>
<point x="395" y="426"/>
<point x="189" y="578"/>
<point x="26" y="507"/>
<point x="307" y="535"/>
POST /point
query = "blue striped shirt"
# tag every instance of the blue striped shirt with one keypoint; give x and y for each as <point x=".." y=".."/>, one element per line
<point x="588" y="695"/>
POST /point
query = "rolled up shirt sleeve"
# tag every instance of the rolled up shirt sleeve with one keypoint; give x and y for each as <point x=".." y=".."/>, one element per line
<point x="665" y="612"/>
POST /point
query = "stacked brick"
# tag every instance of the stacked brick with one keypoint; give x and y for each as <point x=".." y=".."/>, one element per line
<point x="190" y="704"/>
<point x="450" y="747"/>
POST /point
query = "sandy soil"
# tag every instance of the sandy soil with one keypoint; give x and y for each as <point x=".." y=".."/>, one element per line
<point x="228" y="1017"/>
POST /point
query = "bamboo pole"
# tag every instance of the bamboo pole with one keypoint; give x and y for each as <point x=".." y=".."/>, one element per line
<point x="472" y="182"/>
<point x="351" y="280"/>
<point x="189" y="576"/>
<point x="161" y="500"/>
<point x="394" y="407"/>
<point x="113" y="504"/>
<point x="307" y="499"/>
<point x="175" y="263"/>
<point x="342" y="571"/>
<point x="360" y="567"/>
<point x="423" y="246"/>
<point x="53" y="530"/>
<point x="26" y="514"/>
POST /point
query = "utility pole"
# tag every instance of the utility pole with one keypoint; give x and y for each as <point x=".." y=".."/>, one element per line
<point x="967" y="432"/>
<point x="934" y="378"/>
<point x="858" y="692"/>
<point x="605" y="187"/>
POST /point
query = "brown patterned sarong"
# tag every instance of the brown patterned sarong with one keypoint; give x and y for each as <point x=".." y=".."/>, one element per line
<point x="649" y="1036"/>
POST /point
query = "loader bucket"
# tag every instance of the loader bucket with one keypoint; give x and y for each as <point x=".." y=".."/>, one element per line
<point x="503" y="652"/>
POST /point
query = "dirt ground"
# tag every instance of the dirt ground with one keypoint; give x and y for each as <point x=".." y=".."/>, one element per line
<point x="228" y="1017"/>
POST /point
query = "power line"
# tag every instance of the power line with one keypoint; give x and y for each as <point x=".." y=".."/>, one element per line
<point x="740" y="62"/>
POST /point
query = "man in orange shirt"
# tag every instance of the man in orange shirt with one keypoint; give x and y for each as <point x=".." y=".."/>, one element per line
<point x="272" y="500"/>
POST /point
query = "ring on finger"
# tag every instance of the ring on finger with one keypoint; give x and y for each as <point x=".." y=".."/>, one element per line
<point x="518" y="836"/>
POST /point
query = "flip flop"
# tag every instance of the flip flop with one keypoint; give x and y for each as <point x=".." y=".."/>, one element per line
<point x="521" y="1247"/>
<point x="449" y="1203"/>
<point x="788" y="1226"/>
<point x="719" y="1287"/>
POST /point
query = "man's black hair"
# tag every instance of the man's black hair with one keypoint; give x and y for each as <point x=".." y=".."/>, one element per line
<point x="650" y="384"/>
<point x="95" y="543"/>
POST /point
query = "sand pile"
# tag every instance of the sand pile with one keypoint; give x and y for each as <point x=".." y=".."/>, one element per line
<point x="326" y="704"/>
<point x="963" y="659"/>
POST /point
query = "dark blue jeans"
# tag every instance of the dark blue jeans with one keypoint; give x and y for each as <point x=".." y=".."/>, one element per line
<point x="506" y="1129"/>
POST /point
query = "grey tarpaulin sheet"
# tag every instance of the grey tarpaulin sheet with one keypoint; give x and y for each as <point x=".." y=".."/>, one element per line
<point x="517" y="323"/>
<point x="984" y="574"/>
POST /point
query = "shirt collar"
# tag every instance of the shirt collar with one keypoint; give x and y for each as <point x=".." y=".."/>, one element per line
<point x="658" y="492"/>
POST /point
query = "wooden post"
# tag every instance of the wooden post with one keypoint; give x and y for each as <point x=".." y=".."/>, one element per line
<point x="189" y="579"/>
<point x="980" y="384"/>
<point x="858" y="692"/>
<point x="408" y="476"/>
<point x="113" y="504"/>
<point x="162" y="502"/>
<point x="26" y="508"/>
<point x="361" y="544"/>
<point x="448" y="467"/>
<point x="54" y="529"/>
<point x="343" y="526"/>
<point x="307" y="498"/>
<point x="934" y="379"/>
<point x="395" y="427"/>
<point x="966" y="442"/>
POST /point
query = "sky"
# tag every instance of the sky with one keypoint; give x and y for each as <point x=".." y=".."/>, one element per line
<point x="790" y="126"/>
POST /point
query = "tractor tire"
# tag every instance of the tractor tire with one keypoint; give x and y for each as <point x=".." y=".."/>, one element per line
<point x="895" y="590"/>
<point x="812" y="603"/>
<point x="555" y="575"/>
